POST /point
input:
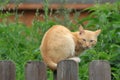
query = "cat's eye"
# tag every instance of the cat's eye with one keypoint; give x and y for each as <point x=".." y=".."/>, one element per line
<point x="83" y="39"/>
<point x="91" y="40"/>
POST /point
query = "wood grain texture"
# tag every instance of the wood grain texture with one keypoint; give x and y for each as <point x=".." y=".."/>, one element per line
<point x="99" y="70"/>
<point x="35" y="70"/>
<point x="67" y="70"/>
<point x="7" y="70"/>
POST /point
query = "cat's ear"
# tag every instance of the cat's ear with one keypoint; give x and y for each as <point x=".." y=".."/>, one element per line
<point x="81" y="30"/>
<point x="97" y="32"/>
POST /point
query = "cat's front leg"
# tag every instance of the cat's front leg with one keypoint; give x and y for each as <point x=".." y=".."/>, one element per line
<point x="76" y="59"/>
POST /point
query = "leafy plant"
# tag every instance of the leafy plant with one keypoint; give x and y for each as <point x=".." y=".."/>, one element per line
<point x="108" y="46"/>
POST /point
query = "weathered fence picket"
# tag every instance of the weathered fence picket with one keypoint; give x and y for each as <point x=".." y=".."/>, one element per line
<point x="67" y="70"/>
<point x="35" y="70"/>
<point x="99" y="70"/>
<point x="7" y="70"/>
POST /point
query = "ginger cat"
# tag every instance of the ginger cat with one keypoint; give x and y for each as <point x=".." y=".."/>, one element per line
<point x="59" y="43"/>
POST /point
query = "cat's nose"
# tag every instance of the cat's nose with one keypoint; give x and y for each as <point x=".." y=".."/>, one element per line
<point x="87" y="45"/>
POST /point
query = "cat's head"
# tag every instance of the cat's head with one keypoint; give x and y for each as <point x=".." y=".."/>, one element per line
<point x="87" y="38"/>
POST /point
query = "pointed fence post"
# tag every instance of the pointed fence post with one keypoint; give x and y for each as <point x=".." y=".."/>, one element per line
<point x="7" y="70"/>
<point x="99" y="70"/>
<point x="35" y="70"/>
<point x="67" y="70"/>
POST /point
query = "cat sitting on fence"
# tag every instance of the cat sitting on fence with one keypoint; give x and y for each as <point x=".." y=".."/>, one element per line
<point x="59" y="43"/>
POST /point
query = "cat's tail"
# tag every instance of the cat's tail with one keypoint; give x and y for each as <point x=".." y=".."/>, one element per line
<point x="50" y="63"/>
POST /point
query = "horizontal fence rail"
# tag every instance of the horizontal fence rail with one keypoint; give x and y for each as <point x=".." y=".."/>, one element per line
<point x="67" y="70"/>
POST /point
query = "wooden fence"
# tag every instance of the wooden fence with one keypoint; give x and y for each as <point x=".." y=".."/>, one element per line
<point x="67" y="70"/>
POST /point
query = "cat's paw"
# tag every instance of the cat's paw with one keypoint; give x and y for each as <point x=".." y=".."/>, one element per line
<point x="76" y="59"/>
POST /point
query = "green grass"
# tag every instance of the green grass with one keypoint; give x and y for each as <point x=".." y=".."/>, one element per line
<point x="21" y="44"/>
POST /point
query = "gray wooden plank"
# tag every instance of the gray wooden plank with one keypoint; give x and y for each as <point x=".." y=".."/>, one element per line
<point x="7" y="70"/>
<point x="99" y="70"/>
<point x="67" y="70"/>
<point x="35" y="70"/>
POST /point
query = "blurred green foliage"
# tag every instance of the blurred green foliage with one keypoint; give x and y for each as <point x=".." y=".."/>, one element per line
<point x="107" y="18"/>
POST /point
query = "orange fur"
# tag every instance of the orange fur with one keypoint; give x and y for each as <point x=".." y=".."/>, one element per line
<point x="59" y="43"/>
